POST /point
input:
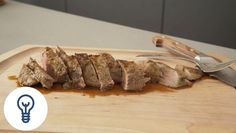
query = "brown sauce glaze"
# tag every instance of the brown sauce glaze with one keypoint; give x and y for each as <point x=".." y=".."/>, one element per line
<point x="116" y="90"/>
<point x="92" y="92"/>
<point x="12" y="77"/>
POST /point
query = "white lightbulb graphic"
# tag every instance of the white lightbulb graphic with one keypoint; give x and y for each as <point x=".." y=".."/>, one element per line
<point x="25" y="108"/>
<point x="25" y="103"/>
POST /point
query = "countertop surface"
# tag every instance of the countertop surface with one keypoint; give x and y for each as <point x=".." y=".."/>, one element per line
<point x="22" y="24"/>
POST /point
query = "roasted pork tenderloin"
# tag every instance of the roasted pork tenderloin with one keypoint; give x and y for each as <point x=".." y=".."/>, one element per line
<point x="133" y="76"/>
<point x="54" y="66"/>
<point x="189" y="72"/>
<point x="89" y="73"/>
<point x="114" y="67"/>
<point x="102" y="71"/>
<point x="165" y="75"/>
<point x="40" y="74"/>
<point x="74" y="70"/>
<point x="26" y="77"/>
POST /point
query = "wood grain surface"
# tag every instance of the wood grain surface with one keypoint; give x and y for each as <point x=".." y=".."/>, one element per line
<point x="208" y="106"/>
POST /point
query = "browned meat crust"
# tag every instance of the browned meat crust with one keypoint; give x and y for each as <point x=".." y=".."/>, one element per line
<point x="40" y="75"/>
<point x="102" y="72"/>
<point x="89" y="73"/>
<point x="114" y="67"/>
<point x="133" y="76"/>
<point x="54" y="66"/>
<point x="26" y="77"/>
<point x="165" y="75"/>
<point x="74" y="70"/>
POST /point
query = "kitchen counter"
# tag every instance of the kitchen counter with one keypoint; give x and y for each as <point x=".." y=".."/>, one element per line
<point x="27" y="24"/>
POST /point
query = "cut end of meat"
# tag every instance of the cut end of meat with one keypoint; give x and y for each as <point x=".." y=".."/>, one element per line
<point x="40" y="74"/>
<point x="165" y="75"/>
<point x="189" y="73"/>
<point x="133" y="76"/>
<point x="54" y="65"/>
<point x="173" y="78"/>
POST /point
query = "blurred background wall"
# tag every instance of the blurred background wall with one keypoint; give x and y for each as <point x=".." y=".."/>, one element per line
<point x="211" y="21"/>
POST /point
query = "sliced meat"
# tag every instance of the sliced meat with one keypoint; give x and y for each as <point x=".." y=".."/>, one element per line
<point x="165" y="75"/>
<point x="74" y="70"/>
<point x="26" y="77"/>
<point x="114" y="67"/>
<point x="89" y="73"/>
<point x="54" y="66"/>
<point x="40" y="74"/>
<point x="102" y="71"/>
<point x="133" y="76"/>
<point x="189" y="73"/>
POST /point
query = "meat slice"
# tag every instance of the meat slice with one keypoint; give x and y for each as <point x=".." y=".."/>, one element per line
<point x="40" y="74"/>
<point x="189" y="73"/>
<point x="74" y="70"/>
<point x="54" y="65"/>
<point x="26" y="77"/>
<point x="114" y="67"/>
<point x="89" y="73"/>
<point x="102" y="71"/>
<point x="133" y="76"/>
<point x="165" y="75"/>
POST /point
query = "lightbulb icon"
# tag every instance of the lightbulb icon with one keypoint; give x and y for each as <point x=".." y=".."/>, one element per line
<point x="25" y="103"/>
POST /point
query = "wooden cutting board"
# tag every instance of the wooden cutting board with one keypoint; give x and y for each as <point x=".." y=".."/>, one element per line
<point x="208" y="106"/>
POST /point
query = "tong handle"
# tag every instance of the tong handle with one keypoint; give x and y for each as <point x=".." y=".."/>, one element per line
<point x="175" y="47"/>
